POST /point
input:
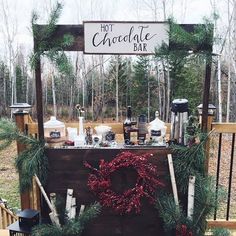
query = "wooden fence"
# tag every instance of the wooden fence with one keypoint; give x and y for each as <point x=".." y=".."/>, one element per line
<point x="6" y="217"/>
<point x="222" y="165"/>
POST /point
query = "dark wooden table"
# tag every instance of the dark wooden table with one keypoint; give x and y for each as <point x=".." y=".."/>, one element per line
<point x="67" y="170"/>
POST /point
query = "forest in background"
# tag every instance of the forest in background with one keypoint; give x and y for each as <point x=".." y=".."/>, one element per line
<point x="101" y="83"/>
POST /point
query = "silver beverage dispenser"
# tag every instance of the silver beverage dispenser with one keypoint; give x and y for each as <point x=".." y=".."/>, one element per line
<point x="179" y="119"/>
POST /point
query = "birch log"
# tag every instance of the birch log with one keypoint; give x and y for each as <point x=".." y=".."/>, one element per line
<point x="53" y="216"/>
<point x="69" y="197"/>
<point x="72" y="211"/>
<point x="172" y="177"/>
<point x="191" y="193"/>
<point x="82" y="207"/>
<point x="53" y="202"/>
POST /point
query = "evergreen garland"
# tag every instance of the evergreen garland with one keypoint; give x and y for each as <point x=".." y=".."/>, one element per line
<point x="171" y="214"/>
<point x="29" y="162"/>
<point x="185" y="56"/>
<point x="73" y="227"/>
<point x="49" y="47"/>
<point x="190" y="161"/>
<point x="199" y="41"/>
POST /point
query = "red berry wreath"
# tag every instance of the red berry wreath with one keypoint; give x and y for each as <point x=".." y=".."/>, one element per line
<point x="130" y="200"/>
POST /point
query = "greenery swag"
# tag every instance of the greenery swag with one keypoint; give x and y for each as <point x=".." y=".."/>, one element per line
<point x="190" y="161"/>
<point x="45" y="45"/>
<point x="69" y="227"/>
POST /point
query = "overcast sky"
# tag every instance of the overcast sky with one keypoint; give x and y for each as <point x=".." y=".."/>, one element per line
<point x="76" y="11"/>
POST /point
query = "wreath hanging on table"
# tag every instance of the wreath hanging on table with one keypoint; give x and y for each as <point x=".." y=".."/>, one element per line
<point x="130" y="200"/>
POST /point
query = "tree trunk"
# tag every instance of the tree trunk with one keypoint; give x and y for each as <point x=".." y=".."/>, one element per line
<point x="159" y="89"/>
<point x="71" y="102"/>
<point x="54" y="97"/>
<point x="219" y="88"/>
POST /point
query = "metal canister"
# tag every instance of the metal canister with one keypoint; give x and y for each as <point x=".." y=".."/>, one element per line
<point x="179" y="119"/>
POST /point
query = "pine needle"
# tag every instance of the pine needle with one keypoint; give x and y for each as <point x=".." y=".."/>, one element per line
<point x="72" y="227"/>
<point x="51" y="48"/>
<point x="31" y="160"/>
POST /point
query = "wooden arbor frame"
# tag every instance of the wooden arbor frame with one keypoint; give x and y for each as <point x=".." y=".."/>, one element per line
<point x="77" y="31"/>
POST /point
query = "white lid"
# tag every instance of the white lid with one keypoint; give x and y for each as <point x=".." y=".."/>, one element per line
<point x="54" y="123"/>
<point x="102" y="129"/>
<point x="180" y="101"/>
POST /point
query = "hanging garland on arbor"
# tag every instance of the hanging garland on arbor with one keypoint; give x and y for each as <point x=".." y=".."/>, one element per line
<point x="53" y="49"/>
<point x="130" y="200"/>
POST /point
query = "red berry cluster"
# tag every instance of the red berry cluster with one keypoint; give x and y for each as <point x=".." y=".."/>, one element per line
<point x="130" y="200"/>
<point x="183" y="231"/>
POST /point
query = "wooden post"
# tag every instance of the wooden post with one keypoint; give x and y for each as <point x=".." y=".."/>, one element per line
<point x="207" y="147"/>
<point x="210" y="118"/>
<point x="21" y="118"/>
<point x="206" y="93"/>
<point x="39" y="94"/>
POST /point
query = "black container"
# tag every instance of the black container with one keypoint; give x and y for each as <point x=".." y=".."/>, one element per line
<point x="142" y="129"/>
<point x="28" y="217"/>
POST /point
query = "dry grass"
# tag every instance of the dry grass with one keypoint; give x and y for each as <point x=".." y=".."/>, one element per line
<point x="9" y="177"/>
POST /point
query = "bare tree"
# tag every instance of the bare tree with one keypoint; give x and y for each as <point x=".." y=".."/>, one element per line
<point x="9" y="31"/>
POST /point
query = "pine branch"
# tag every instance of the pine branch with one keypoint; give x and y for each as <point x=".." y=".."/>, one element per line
<point x="32" y="161"/>
<point x="73" y="227"/>
<point x="47" y="230"/>
<point x="29" y="162"/>
<point x="51" y="48"/>
<point x="189" y="161"/>
<point x="53" y="19"/>
<point x="171" y="214"/>
<point x="77" y="225"/>
<point x="8" y="133"/>
<point x="90" y="213"/>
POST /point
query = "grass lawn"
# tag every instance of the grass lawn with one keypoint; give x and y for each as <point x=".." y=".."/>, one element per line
<point x="9" y="177"/>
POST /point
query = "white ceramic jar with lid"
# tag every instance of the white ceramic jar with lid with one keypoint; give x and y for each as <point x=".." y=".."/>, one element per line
<point x="54" y="128"/>
<point x="157" y="130"/>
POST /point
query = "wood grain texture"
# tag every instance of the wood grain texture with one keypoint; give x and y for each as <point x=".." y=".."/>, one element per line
<point x="67" y="171"/>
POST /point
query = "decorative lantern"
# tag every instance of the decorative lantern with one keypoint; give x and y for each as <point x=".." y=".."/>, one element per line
<point x="27" y="219"/>
<point x="211" y="109"/>
<point x="20" y="108"/>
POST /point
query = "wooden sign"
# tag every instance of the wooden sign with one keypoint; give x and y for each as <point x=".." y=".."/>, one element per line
<point x="124" y="37"/>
